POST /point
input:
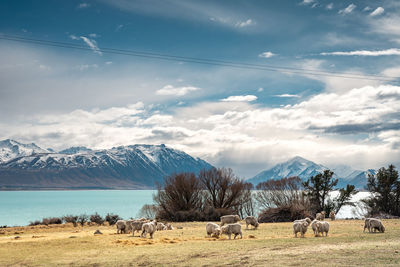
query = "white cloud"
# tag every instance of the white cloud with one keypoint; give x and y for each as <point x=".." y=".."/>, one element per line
<point x="287" y="95"/>
<point x="242" y="134"/>
<point x="348" y="9"/>
<point x="92" y="44"/>
<point x="387" y="52"/>
<point x="246" y="23"/>
<point x="240" y="98"/>
<point x="329" y="6"/>
<point x="260" y="89"/>
<point x="367" y="8"/>
<point x="307" y="2"/>
<point x="94" y="35"/>
<point x="177" y="91"/>
<point x="267" y="54"/>
<point x="83" y="5"/>
<point x="378" y="11"/>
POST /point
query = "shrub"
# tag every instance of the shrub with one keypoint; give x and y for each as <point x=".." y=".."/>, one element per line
<point x="96" y="218"/>
<point x="287" y="213"/>
<point x="112" y="218"/>
<point x="52" y="220"/>
<point x="37" y="222"/>
<point x="71" y="219"/>
<point x="82" y="219"/>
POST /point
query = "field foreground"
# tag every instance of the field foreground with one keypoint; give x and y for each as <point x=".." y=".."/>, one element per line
<point x="272" y="244"/>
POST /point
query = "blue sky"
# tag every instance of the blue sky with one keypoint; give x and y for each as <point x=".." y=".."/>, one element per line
<point x="241" y="118"/>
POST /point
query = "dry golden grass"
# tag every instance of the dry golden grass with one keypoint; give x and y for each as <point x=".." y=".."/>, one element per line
<point x="272" y="244"/>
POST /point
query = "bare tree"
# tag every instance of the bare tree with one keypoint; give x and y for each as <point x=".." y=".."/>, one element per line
<point x="181" y="196"/>
<point x="226" y="191"/>
<point x="148" y="211"/>
<point x="277" y="193"/>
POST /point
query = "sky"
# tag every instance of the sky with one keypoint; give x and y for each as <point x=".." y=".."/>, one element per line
<point x="247" y="119"/>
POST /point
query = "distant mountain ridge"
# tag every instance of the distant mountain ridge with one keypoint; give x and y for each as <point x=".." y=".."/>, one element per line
<point x="304" y="169"/>
<point x="27" y="166"/>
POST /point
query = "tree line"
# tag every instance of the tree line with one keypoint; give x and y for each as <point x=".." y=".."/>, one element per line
<point x="218" y="191"/>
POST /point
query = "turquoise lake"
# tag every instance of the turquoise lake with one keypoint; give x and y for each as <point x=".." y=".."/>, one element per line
<point x="22" y="207"/>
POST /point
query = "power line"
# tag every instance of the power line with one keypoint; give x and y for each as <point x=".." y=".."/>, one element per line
<point x="282" y="69"/>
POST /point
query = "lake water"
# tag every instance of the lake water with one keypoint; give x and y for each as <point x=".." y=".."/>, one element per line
<point x="22" y="207"/>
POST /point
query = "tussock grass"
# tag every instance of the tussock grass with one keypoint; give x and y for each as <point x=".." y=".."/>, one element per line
<point x="272" y="243"/>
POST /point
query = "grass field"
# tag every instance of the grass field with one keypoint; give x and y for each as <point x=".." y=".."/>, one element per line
<point x="272" y="244"/>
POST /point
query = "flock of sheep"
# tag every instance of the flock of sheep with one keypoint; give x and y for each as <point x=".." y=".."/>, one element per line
<point x="144" y="225"/>
<point x="319" y="226"/>
<point x="230" y="226"/>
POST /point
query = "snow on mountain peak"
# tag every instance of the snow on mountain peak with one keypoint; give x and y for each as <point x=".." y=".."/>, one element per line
<point x="10" y="149"/>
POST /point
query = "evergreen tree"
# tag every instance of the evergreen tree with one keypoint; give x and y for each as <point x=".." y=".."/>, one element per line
<point x="385" y="188"/>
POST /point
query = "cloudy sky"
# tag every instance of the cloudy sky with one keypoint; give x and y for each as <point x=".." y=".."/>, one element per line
<point x="331" y="92"/>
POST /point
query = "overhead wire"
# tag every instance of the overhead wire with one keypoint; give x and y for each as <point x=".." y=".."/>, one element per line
<point x="206" y="61"/>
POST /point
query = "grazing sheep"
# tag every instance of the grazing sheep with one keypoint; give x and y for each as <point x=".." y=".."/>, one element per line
<point x="307" y="220"/>
<point x="300" y="227"/>
<point x="252" y="221"/>
<point x="320" y="216"/>
<point x="376" y="224"/>
<point x="160" y="226"/>
<point x="213" y="229"/>
<point x="169" y="226"/>
<point x="121" y="226"/>
<point x="128" y="228"/>
<point x="233" y="228"/>
<point x="135" y="225"/>
<point x="149" y="228"/>
<point x="366" y="225"/>
<point x="314" y="226"/>
<point x="332" y="215"/>
<point x="229" y="219"/>
<point x="322" y="227"/>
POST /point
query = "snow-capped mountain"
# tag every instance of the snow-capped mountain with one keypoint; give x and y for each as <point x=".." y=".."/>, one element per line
<point x="304" y="169"/>
<point x="10" y="149"/>
<point x="296" y="166"/>
<point x="125" y="167"/>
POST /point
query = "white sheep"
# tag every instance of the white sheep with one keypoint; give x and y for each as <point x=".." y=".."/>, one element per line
<point x="149" y="228"/>
<point x="229" y="219"/>
<point x="320" y="216"/>
<point x="121" y="226"/>
<point x="376" y="224"/>
<point x="169" y="226"/>
<point x="307" y="220"/>
<point x="252" y="221"/>
<point x="366" y="224"/>
<point x="233" y="228"/>
<point x="332" y="215"/>
<point x="135" y="225"/>
<point x="300" y="227"/>
<point x="213" y="229"/>
<point x="160" y="226"/>
<point x="314" y="226"/>
<point x="322" y="227"/>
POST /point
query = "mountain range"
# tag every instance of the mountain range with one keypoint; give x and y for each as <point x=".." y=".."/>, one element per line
<point x="304" y="169"/>
<point x="27" y="166"/>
